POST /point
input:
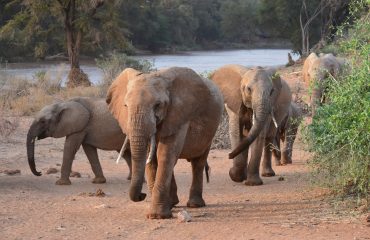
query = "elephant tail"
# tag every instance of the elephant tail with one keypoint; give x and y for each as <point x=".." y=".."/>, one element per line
<point x="207" y="170"/>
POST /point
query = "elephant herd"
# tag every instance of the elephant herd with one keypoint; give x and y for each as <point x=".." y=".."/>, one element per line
<point x="174" y="113"/>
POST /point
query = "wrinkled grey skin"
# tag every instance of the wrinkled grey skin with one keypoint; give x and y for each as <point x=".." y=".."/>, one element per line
<point x="287" y="133"/>
<point x="83" y="121"/>
<point x="315" y="70"/>
<point x="254" y="92"/>
<point x="174" y="112"/>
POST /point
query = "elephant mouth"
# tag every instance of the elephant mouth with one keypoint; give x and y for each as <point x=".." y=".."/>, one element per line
<point x="42" y="136"/>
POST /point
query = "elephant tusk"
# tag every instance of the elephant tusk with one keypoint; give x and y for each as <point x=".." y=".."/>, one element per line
<point x="273" y="119"/>
<point x="124" y="146"/>
<point x="253" y="119"/>
<point x="152" y="149"/>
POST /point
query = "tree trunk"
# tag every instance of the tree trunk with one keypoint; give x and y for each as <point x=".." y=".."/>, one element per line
<point x="76" y="76"/>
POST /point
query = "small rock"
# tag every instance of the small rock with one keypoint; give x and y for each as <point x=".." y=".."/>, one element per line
<point x="60" y="228"/>
<point x="281" y="178"/>
<point x="368" y="218"/>
<point x="51" y="171"/>
<point x="102" y="206"/>
<point x="12" y="172"/>
<point x="183" y="216"/>
<point x="75" y="174"/>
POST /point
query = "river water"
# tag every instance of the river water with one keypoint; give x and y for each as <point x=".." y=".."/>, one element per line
<point x="200" y="61"/>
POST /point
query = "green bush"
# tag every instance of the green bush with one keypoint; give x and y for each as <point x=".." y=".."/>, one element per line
<point x="339" y="135"/>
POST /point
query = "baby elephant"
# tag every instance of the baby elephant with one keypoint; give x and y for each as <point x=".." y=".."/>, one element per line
<point x="287" y="133"/>
<point x="83" y="121"/>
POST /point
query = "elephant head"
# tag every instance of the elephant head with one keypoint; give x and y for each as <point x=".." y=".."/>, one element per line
<point x="316" y="69"/>
<point x="260" y="88"/>
<point x="55" y="120"/>
<point x="149" y="107"/>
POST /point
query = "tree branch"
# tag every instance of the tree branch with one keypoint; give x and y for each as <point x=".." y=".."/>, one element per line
<point x="95" y="5"/>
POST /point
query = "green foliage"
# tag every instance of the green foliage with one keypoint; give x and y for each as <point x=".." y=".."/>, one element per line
<point x="35" y="28"/>
<point x="339" y="134"/>
<point x="113" y="65"/>
<point x="239" y="19"/>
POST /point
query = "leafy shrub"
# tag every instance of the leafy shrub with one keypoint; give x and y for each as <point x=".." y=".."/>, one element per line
<point x="113" y="65"/>
<point x="339" y="134"/>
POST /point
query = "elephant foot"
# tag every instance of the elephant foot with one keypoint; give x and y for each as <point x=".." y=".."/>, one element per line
<point x="99" y="180"/>
<point x="195" y="202"/>
<point x="286" y="161"/>
<point x="159" y="213"/>
<point x="268" y="172"/>
<point x="278" y="163"/>
<point x="253" y="181"/>
<point x="63" y="181"/>
<point x="237" y="175"/>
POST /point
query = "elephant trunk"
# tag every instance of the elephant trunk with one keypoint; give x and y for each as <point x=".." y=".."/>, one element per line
<point x="31" y="137"/>
<point x="260" y="114"/>
<point x="140" y="135"/>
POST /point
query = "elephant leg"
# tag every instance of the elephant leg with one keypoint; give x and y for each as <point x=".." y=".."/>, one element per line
<point x="71" y="146"/>
<point x="196" y="191"/>
<point x="150" y="171"/>
<point x="173" y="192"/>
<point x="92" y="154"/>
<point x="169" y="150"/>
<point x="127" y="157"/>
<point x="288" y="146"/>
<point x="253" y="177"/>
<point x="317" y="94"/>
<point x="267" y="170"/>
<point x="238" y="173"/>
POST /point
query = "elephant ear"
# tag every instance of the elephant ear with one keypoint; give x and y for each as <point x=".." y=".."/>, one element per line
<point x="70" y="117"/>
<point x="228" y="80"/>
<point x="116" y="95"/>
<point x="307" y="67"/>
<point x="188" y="95"/>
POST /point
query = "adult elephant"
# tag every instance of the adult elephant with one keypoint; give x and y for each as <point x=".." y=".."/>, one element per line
<point x="315" y="70"/>
<point x="256" y="100"/>
<point x="176" y="111"/>
<point x="83" y="121"/>
<point x="287" y="133"/>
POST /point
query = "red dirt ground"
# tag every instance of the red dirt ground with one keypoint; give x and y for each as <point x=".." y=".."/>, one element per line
<point x="35" y="208"/>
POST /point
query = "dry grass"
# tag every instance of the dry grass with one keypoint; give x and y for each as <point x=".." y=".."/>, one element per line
<point x="8" y="126"/>
<point x="22" y="97"/>
<point x="221" y="139"/>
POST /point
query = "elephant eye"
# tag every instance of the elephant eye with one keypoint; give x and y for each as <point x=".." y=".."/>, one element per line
<point x="249" y="89"/>
<point x="272" y="90"/>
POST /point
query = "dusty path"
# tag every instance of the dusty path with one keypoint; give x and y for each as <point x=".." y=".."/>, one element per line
<point x="35" y="208"/>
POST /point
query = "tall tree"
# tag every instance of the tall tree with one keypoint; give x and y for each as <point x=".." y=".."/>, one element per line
<point x="41" y="21"/>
